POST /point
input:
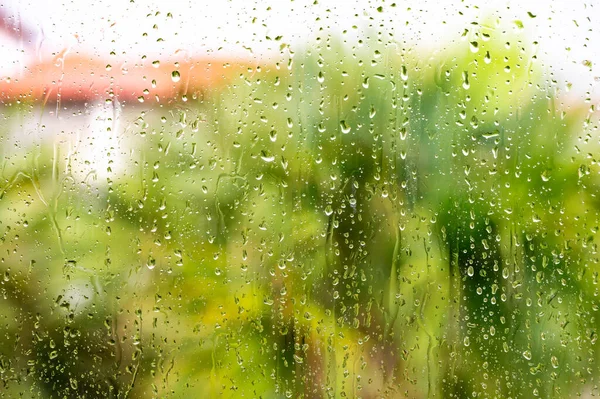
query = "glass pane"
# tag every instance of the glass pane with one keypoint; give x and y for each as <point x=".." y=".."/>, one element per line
<point x="314" y="199"/>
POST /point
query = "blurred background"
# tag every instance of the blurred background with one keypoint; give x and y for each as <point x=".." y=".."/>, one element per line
<point x="316" y="199"/>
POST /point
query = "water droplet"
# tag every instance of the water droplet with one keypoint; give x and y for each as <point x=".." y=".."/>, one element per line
<point x="320" y="77"/>
<point x="372" y="112"/>
<point x="365" y="83"/>
<point x="404" y="73"/>
<point x="151" y="263"/>
<point x="488" y="58"/>
<point x="527" y="355"/>
<point x="545" y="175"/>
<point x="466" y="83"/>
<point x="175" y="76"/>
<point x="265" y="156"/>
<point x="344" y="126"/>
<point x="474" y="47"/>
<point x="71" y="264"/>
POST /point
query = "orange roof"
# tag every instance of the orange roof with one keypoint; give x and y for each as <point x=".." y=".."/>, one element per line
<point x="79" y="78"/>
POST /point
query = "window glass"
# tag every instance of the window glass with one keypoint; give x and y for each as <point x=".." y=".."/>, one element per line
<point x="315" y="199"/>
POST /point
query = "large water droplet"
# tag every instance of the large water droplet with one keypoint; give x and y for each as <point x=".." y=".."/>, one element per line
<point x="265" y="156"/>
<point x="488" y="58"/>
<point x="151" y="263"/>
<point x="466" y="83"/>
<point x="474" y="46"/>
<point x="345" y="127"/>
<point x="404" y="73"/>
<point x="320" y="77"/>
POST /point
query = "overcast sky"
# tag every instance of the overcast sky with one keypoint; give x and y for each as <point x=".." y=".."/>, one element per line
<point x="565" y="29"/>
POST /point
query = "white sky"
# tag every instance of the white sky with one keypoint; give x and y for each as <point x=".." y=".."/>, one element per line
<point x="205" y="26"/>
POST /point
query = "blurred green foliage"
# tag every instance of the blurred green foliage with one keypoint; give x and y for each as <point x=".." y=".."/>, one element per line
<point x="354" y="221"/>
